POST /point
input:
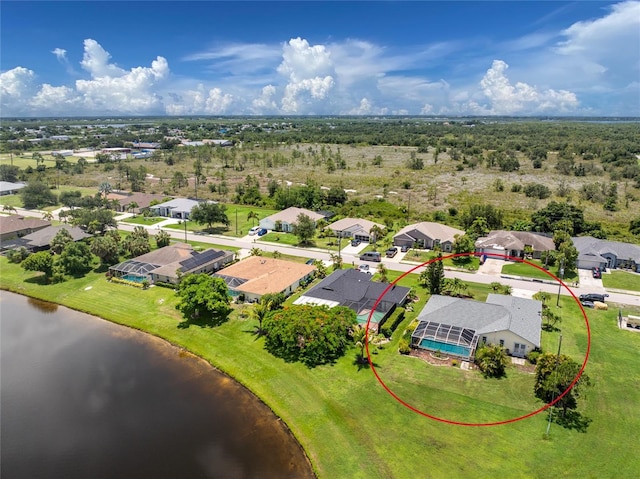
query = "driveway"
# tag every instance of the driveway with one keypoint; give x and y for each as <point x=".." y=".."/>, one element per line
<point x="588" y="283"/>
<point x="492" y="266"/>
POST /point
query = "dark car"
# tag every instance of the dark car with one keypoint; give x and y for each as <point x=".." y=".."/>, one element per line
<point x="596" y="272"/>
<point x="355" y="242"/>
<point x="262" y="232"/>
<point x="310" y="261"/>
<point x="593" y="297"/>
<point x="391" y="252"/>
<point x="587" y="304"/>
<point x="404" y="248"/>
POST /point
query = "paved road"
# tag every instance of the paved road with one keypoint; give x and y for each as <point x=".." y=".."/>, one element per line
<point x="350" y="255"/>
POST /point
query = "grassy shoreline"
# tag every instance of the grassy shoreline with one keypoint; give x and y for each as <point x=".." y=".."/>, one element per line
<point x="350" y="427"/>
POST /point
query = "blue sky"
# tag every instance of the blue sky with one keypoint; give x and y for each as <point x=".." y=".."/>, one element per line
<point x="324" y="58"/>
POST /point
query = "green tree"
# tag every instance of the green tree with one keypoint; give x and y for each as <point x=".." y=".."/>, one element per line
<point x="569" y="216"/>
<point x="162" y="239"/>
<point x="492" y="360"/>
<point x="478" y="228"/>
<point x="336" y="196"/>
<point x="203" y="300"/>
<point x="137" y="243"/>
<point x="304" y="228"/>
<point x="75" y="258"/>
<point x="312" y="335"/>
<point x="255" y="251"/>
<point x="383" y="273"/>
<point x="60" y="240"/>
<point x="9" y="173"/>
<point x="252" y="215"/>
<point x="375" y="233"/>
<point x="105" y="248"/>
<point x="41" y="261"/>
<point x="105" y="188"/>
<point x="94" y="220"/>
<point x="37" y="195"/>
<point x="321" y="269"/>
<point x="463" y="244"/>
<point x="209" y="214"/>
<point x="432" y="277"/>
<point x="258" y="313"/>
<point x="554" y="375"/>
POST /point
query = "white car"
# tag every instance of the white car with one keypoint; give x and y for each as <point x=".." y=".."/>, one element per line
<point x="364" y="268"/>
<point x="254" y="230"/>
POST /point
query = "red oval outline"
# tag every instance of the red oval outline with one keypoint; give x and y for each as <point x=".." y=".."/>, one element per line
<point x="460" y="423"/>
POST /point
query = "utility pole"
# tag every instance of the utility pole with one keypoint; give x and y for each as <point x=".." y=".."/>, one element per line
<point x="185" y="230"/>
<point x="553" y="396"/>
<point x="236" y="221"/>
<point x="561" y="273"/>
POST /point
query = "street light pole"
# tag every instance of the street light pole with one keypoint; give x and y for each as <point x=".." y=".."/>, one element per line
<point x="185" y="230"/>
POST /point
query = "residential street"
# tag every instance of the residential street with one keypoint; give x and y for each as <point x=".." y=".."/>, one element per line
<point x="489" y="273"/>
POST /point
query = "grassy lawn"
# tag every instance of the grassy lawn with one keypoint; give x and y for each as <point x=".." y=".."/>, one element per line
<point x="241" y="212"/>
<point x="423" y="256"/>
<point x="352" y="428"/>
<point x="289" y="239"/>
<point x="621" y="280"/>
<point x="522" y="269"/>
<point x="141" y="220"/>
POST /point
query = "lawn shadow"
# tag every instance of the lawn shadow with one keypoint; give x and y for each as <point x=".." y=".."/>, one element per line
<point x="361" y="362"/>
<point x="203" y="322"/>
<point x="550" y="328"/>
<point x="40" y="279"/>
<point x="573" y="420"/>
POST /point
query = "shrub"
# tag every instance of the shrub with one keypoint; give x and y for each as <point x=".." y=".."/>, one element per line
<point x="533" y="356"/>
<point x="537" y="190"/>
<point x="455" y="363"/>
<point x="516" y="188"/>
<point x="492" y="360"/>
<point x="403" y="347"/>
<point x="389" y="326"/>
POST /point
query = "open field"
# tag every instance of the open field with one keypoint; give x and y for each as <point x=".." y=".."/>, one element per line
<point x="351" y="428"/>
<point x="438" y="187"/>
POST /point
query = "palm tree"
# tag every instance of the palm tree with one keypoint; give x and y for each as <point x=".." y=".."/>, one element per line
<point x="252" y="216"/>
<point x="382" y="271"/>
<point x="255" y="252"/>
<point x="259" y="312"/>
<point x="360" y="340"/>
<point x="105" y="188"/>
<point x="48" y="216"/>
<point x="375" y="233"/>
<point x="9" y="208"/>
<point x="132" y="206"/>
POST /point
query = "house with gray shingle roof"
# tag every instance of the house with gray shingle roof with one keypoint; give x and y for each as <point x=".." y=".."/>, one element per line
<point x="594" y="252"/>
<point x="176" y="208"/>
<point x="456" y="326"/>
<point x="285" y="219"/>
<point x="355" y="290"/>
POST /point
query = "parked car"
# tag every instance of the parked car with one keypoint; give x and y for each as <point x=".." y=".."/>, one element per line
<point x="364" y="268"/>
<point x="588" y="304"/>
<point x="596" y="272"/>
<point x="593" y="297"/>
<point x="310" y="261"/>
<point x="262" y="232"/>
<point x="254" y="230"/>
<point x="371" y="256"/>
<point x="355" y="242"/>
<point x="391" y="252"/>
<point x="404" y="248"/>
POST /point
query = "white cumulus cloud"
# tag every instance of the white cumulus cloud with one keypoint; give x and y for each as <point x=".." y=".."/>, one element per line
<point x="506" y="98"/>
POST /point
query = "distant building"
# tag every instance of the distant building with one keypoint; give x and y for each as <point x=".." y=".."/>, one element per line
<point x="514" y="243"/>
<point x="177" y="208"/>
<point x="16" y="226"/>
<point x="427" y="235"/>
<point x="8" y="188"/>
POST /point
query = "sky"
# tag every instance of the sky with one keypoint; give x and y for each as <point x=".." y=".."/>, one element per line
<point x="453" y="58"/>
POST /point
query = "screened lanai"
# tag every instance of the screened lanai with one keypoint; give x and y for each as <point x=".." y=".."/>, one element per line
<point x="453" y="340"/>
<point x="133" y="270"/>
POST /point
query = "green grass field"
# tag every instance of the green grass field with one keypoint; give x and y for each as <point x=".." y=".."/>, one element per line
<point x="522" y="269"/>
<point x="352" y="428"/>
<point x="621" y="280"/>
<point x="141" y="220"/>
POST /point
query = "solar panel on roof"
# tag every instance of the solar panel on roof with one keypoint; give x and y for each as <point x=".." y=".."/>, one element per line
<point x="200" y="259"/>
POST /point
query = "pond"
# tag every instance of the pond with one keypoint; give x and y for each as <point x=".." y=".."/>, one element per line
<point x="82" y="397"/>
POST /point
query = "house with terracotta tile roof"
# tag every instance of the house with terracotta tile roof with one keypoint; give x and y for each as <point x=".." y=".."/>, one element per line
<point x="256" y="276"/>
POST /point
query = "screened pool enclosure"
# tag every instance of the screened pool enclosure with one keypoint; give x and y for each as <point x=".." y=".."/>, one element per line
<point x="452" y="340"/>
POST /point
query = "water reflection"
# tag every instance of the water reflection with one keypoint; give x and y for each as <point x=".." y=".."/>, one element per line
<point x="44" y="306"/>
<point x="84" y="398"/>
